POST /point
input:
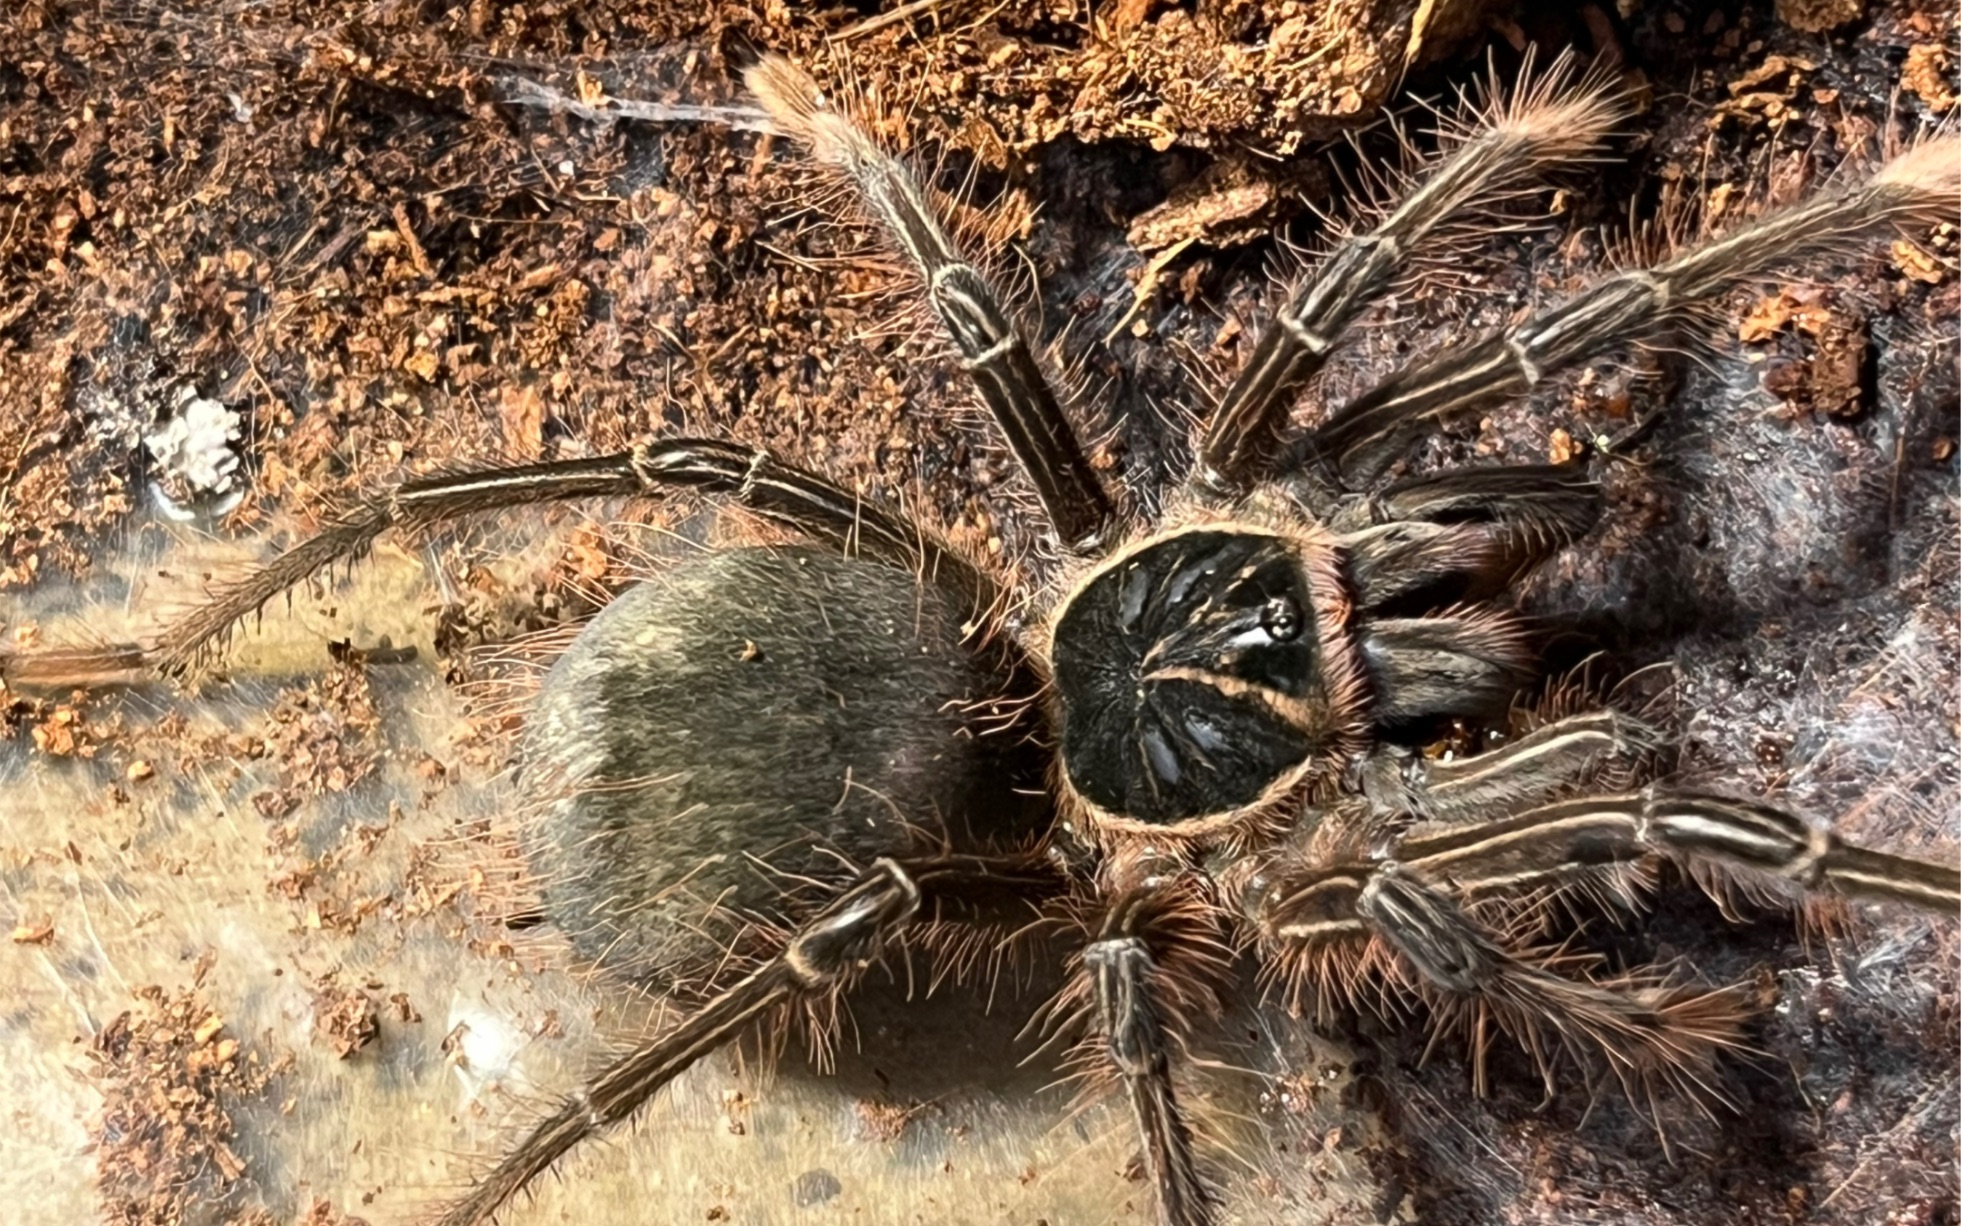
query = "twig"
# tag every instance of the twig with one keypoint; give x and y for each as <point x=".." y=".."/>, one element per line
<point x="882" y="20"/>
<point x="1147" y="285"/>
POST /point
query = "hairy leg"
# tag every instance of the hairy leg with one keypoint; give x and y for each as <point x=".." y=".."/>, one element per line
<point x="1535" y="767"/>
<point x="1560" y="843"/>
<point x="1331" y="925"/>
<point x="993" y="352"/>
<point x="749" y="476"/>
<point x="1120" y="968"/>
<point x="1153" y="967"/>
<point x="1334" y="925"/>
<point x="1545" y="123"/>
<point x="1353" y="446"/>
<point x="820" y="958"/>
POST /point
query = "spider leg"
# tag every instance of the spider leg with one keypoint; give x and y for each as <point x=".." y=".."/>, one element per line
<point x="1353" y="446"/>
<point x="1528" y="770"/>
<point x="1651" y="1035"/>
<point x="1120" y="971"/>
<point x="1466" y="534"/>
<point x="1546" y="123"/>
<point x="750" y="476"/>
<point x="1556" y="843"/>
<point x="1461" y="663"/>
<point x="821" y="957"/>
<point x="992" y="349"/>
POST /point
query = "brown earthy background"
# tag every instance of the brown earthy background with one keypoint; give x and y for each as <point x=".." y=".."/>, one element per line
<point x="258" y="971"/>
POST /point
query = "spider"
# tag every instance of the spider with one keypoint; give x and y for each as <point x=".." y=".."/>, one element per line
<point x="1193" y="741"/>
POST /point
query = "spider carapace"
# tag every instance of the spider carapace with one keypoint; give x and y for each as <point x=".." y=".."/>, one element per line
<point x="1200" y="675"/>
<point x="1184" y="739"/>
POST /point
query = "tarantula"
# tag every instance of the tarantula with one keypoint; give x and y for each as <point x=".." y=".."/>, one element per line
<point x="1192" y="742"/>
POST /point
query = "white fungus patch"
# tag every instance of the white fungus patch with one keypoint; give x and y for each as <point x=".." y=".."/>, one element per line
<point x="195" y="456"/>
<point x="485" y="1047"/>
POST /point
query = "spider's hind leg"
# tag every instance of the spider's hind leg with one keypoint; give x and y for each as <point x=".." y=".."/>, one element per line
<point x="748" y="476"/>
<point x="821" y="957"/>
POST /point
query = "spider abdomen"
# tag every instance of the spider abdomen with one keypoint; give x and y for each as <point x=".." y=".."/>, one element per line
<point x="752" y="721"/>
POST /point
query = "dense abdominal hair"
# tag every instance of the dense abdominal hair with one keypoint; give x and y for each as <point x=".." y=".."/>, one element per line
<point x="726" y="732"/>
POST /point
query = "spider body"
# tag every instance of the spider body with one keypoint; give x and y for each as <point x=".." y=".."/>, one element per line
<point x="756" y="716"/>
<point x="1201" y="674"/>
<point x="1227" y="699"/>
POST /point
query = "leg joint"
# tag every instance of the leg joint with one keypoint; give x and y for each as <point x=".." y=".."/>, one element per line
<point x="847" y="935"/>
<point x="1120" y="968"/>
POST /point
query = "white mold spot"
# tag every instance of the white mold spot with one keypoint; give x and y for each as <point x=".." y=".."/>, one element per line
<point x="195" y="456"/>
<point x="483" y="1048"/>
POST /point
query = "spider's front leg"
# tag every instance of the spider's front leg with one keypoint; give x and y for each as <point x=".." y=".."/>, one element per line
<point x="1537" y="766"/>
<point x="1545" y="123"/>
<point x="1331" y="925"/>
<point x="749" y="476"/>
<point x="1572" y="840"/>
<point x="1358" y="442"/>
<point x="1418" y="559"/>
<point x="822" y="957"/>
